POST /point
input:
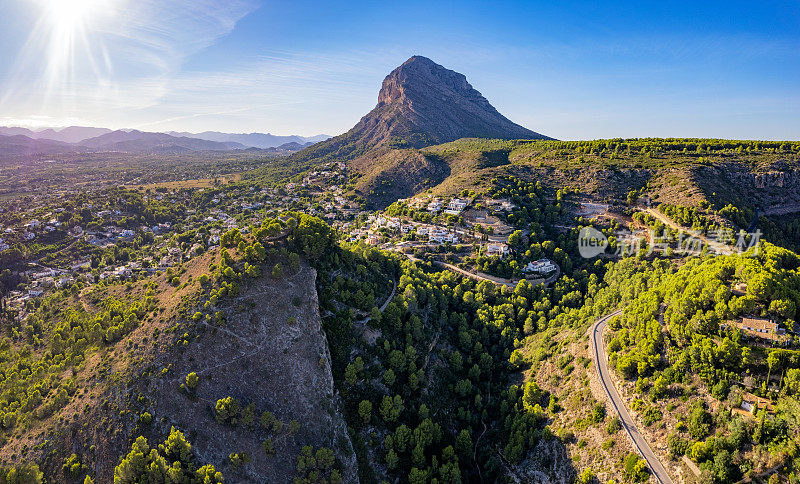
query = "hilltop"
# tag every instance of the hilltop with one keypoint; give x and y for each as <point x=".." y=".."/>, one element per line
<point x="679" y="171"/>
<point x="420" y="103"/>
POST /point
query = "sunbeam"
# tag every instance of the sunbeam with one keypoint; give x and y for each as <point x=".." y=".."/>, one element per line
<point x="69" y="35"/>
<point x="104" y="56"/>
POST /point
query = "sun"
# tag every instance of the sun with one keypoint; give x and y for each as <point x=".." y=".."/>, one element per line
<point x="70" y="15"/>
<point x="68" y="30"/>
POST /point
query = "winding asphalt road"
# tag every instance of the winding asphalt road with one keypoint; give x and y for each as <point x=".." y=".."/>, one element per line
<point x="601" y="362"/>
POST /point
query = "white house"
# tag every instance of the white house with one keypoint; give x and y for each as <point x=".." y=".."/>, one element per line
<point x="441" y="238"/>
<point x="435" y="205"/>
<point x="496" y="250"/>
<point x="457" y="204"/>
<point x="541" y="266"/>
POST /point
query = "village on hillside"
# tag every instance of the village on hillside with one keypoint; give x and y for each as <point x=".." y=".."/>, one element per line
<point x="145" y="231"/>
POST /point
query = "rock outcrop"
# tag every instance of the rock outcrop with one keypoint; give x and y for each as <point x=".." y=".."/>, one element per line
<point x="273" y="353"/>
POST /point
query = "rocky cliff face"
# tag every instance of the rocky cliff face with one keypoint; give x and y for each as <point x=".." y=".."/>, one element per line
<point x="768" y="189"/>
<point x="424" y="103"/>
<point x="273" y="353"/>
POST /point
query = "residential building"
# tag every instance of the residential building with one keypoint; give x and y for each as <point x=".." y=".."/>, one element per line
<point x="507" y="206"/>
<point x="759" y="325"/>
<point x="496" y="249"/>
<point x="763" y="329"/>
<point x="435" y="205"/>
<point x="457" y="204"/>
<point x="441" y="238"/>
<point x="541" y="266"/>
<point x="739" y="289"/>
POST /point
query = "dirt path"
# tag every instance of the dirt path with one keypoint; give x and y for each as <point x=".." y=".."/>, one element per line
<point x="383" y="306"/>
<point x="718" y="247"/>
<point x="431" y="347"/>
<point x="479" y="276"/>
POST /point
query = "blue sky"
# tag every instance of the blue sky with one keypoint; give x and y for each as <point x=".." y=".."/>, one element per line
<point x="569" y="69"/>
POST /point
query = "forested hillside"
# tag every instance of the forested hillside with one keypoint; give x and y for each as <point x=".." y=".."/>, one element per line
<point x="686" y="369"/>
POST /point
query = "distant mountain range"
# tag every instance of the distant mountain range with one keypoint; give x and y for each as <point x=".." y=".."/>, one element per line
<point x="256" y="140"/>
<point x="420" y="104"/>
<point x="76" y="139"/>
<point x="17" y="145"/>
<point x="72" y="134"/>
<point x="138" y="141"/>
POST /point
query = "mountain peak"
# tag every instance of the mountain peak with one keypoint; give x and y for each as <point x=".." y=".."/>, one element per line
<point x="422" y="74"/>
<point x="432" y="104"/>
<point x="421" y="103"/>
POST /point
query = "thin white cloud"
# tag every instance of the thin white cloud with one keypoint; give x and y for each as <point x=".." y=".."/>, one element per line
<point x="290" y="92"/>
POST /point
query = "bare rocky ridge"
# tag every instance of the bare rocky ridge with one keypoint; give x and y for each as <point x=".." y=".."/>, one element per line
<point x="420" y="104"/>
<point x="272" y="352"/>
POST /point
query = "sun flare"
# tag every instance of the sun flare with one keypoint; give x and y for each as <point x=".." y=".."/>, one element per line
<point x="69" y="31"/>
<point x="69" y="15"/>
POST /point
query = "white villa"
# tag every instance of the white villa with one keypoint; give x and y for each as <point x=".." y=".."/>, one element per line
<point x="541" y="266"/>
<point x="496" y="250"/>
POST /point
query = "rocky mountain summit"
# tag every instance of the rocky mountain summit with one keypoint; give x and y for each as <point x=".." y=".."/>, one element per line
<point x="423" y="101"/>
<point x="420" y="104"/>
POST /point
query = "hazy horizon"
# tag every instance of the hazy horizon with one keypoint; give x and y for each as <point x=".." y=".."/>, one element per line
<point x="39" y="129"/>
